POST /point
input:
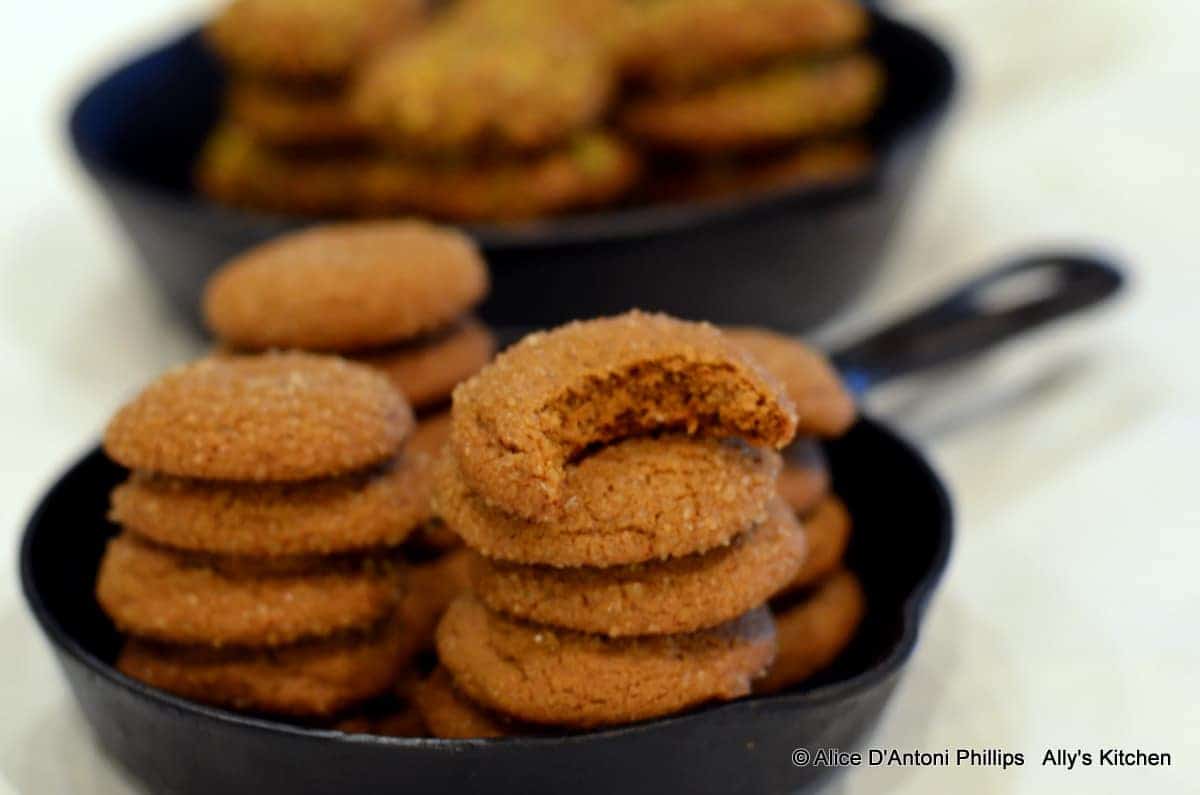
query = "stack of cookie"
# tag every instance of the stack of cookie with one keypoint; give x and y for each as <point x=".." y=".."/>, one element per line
<point x="615" y="481"/>
<point x="291" y="66"/>
<point x="819" y="610"/>
<point x="748" y="94"/>
<point x="256" y="568"/>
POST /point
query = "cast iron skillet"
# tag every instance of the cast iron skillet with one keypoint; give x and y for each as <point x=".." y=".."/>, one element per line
<point x="786" y="259"/>
<point x="900" y="547"/>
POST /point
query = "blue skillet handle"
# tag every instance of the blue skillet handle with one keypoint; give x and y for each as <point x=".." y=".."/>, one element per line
<point x="991" y="309"/>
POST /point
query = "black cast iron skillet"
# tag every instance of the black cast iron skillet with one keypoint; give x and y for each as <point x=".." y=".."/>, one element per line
<point x="786" y="259"/>
<point x="900" y="546"/>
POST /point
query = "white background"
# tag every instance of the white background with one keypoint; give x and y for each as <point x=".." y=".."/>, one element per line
<point x="1069" y="615"/>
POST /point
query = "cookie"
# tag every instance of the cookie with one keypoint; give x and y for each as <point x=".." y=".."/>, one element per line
<point x="403" y="720"/>
<point x="431" y="435"/>
<point x="814" y="631"/>
<point x="310" y="40"/>
<point x="553" y="395"/>
<point x="452" y="716"/>
<point x="672" y="43"/>
<point x="429" y="588"/>
<point x="564" y="678"/>
<point x="292" y="117"/>
<point x="345" y="286"/>
<point x="364" y="511"/>
<point x="467" y="89"/>
<point x="823" y="403"/>
<point x="155" y="594"/>
<point x="827" y="529"/>
<point x="770" y="108"/>
<point x="275" y="417"/>
<point x="804" y="479"/>
<point x="639" y="499"/>
<point x="304" y="680"/>
<point x="427" y="370"/>
<point x="659" y="598"/>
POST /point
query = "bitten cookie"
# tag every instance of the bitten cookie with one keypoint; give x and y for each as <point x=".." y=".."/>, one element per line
<point x="310" y="679"/>
<point x="345" y="286"/>
<point x="427" y="369"/>
<point x="157" y="595"/>
<point x="663" y="597"/>
<point x="823" y="404"/>
<point x="550" y="397"/>
<point x="814" y="631"/>
<point x="827" y="529"/>
<point x="804" y="479"/>
<point x="275" y="417"/>
<point x="451" y="715"/>
<point x="565" y="678"/>
<point x="639" y="499"/>
<point x="358" y="512"/>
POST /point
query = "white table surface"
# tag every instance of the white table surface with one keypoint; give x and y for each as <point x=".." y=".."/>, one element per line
<point x="1068" y="616"/>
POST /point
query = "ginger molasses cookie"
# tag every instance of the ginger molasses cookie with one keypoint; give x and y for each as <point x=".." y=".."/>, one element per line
<point x="452" y="716"/>
<point x="155" y="594"/>
<point x="563" y="678"/>
<point x="552" y="396"/>
<point x="428" y="368"/>
<point x="824" y="406"/>
<point x="345" y="286"/>
<point x="827" y="529"/>
<point x="814" y="631"/>
<point x="314" y="679"/>
<point x="639" y="499"/>
<point x="309" y="39"/>
<point x="804" y="479"/>
<point x="657" y="598"/>
<point x="669" y="43"/>
<point x="275" y="417"/>
<point x="362" y="511"/>
<point x="431" y="435"/>
<point x="429" y="588"/>
<point x="769" y="108"/>
<point x="292" y="116"/>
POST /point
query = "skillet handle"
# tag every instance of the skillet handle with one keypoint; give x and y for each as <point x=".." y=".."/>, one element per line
<point x="988" y="310"/>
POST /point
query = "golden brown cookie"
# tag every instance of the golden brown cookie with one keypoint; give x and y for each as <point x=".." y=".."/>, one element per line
<point x="823" y="403"/>
<point x="658" y="598"/>
<point x="565" y="678"/>
<point x="827" y="529"/>
<point x="804" y="479"/>
<point x="770" y="108"/>
<point x="426" y="370"/>
<point x="345" y="286"/>
<point x="155" y="594"/>
<point x="452" y="716"/>
<point x="309" y="39"/>
<point x="670" y="43"/>
<point x="292" y="116"/>
<point x="814" y="631"/>
<point x="468" y="88"/>
<point x="362" y="511"/>
<point x="553" y="395"/>
<point x="274" y="417"/>
<point x="642" y="498"/>
<point x="309" y="679"/>
<point x="431" y="435"/>
<point x="429" y="588"/>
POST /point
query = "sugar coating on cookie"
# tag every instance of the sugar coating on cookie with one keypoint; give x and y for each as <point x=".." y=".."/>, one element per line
<point x="639" y="499"/>
<point x="345" y="286"/>
<point x="773" y="107"/>
<point x="363" y="511"/>
<point x="308" y="39"/>
<point x="565" y="678"/>
<point x="155" y="594"/>
<point x="452" y="716"/>
<point x="275" y="417"/>
<point x="804" y="479"/>
<point x="814" y="631"/>
<point x="658" y="598"/>
<point x="827" y="528"/>
<point x="670" y="43"/>
<point x="553" y="395"/>
<point x="428" y="369"/>
<point x="304" y="680"/>
<point x="824" y="405"/>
